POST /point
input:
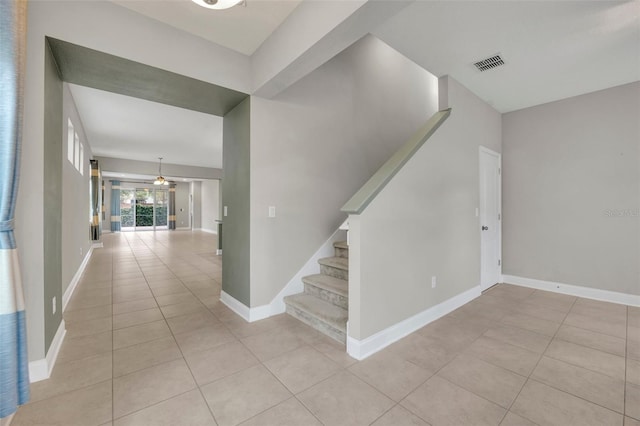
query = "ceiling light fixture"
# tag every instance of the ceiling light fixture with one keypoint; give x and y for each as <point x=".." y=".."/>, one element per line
<point x="217" y="4"/>
<point x="160" y="180"/>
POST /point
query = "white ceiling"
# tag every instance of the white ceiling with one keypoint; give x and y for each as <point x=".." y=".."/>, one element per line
<point x="124" y="127"/>
<point x="552" y="49"/>
<point x="241" y="28"/>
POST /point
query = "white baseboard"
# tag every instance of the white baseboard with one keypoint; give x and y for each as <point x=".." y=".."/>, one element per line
<point x="361" y="349"/>
<point x="41" y="368"/>
<point x="575" y="290"/>
<point x="235" y="305"/>
<point x="76" y="279"/>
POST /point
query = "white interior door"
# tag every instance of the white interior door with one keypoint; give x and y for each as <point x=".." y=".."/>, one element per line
<point x="490" y="218"/>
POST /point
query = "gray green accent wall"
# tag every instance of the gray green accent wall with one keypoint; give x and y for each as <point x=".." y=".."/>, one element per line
<point x="52" y="202"/>
<point x="236" y="198"/>
<point x="92" y="68"/>
<point x="571" y="191"/>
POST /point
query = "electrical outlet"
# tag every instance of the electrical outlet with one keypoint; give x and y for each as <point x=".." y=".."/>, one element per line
<point x="224" y="213"/>
<point x="54" y="306"/>
<point x="272" y="211"/>
<point x="80" y="251"/>
<point x="433" y="282"/>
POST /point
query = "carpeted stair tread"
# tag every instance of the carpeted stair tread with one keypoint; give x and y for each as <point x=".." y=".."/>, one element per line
<point x="326" y="312"/>
<point x="335" y="262"/>
<point x="341" y="245"/>
<point x="328" y="283"/>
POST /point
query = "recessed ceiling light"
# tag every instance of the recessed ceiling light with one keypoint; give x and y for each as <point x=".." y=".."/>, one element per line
<point x="217" y="4"/>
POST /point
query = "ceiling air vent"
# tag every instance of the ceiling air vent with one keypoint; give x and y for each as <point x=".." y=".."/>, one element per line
<point x="489" y="63"/>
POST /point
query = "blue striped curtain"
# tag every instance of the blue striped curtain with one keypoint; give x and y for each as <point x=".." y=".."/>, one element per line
<point x="14" y="364"/>
<point x="115" y="205"/>
<point x="95" y="201"/>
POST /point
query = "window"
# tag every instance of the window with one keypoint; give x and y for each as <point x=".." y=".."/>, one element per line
<point x="70" y="141"/>
<point x="76" y="158"/>
<point x="81" y="164"/>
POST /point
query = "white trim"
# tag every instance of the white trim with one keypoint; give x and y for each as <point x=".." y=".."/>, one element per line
<point x="41" y="368"/>
<point x="235" y="305"/>
<point x="66" y="297"/>
<point x="98" y="244"/>
<point x="361" y="349"/>
<point x="575" y="290"/>
<point x="183" y="228"/>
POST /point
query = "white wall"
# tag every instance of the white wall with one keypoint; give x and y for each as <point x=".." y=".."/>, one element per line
<point x="210" y="206"/>
<point x="423" y="223"/>
<point x="182" y="204"/>
<point x="76" y="240"/>
<point x="316" y="143"/>
<point x="571" y="191"/>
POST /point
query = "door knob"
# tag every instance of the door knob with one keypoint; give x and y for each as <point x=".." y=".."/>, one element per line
<point x="485" y="228"/>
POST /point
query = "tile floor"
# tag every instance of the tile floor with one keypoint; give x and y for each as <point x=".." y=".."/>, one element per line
<point x="149" y="343"/>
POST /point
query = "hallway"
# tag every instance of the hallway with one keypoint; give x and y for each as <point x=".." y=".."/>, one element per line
<point x="149" y="343"/>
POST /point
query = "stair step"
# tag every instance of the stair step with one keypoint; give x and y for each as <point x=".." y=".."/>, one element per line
<point x="328" y="288"/>
<point x="337" y="267"/>
<point x="341" y="249"/>
<point x="325" y="317"/>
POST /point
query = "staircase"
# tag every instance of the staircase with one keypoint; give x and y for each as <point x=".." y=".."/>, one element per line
<point x="325" y="302"/>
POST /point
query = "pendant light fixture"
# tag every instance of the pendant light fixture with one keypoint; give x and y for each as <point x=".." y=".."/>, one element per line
<point x="217" y="4"/>
<point x="160" y="180"/>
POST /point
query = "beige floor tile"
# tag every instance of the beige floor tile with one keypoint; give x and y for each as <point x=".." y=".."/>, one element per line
<point x="239" y="397"/>
<point x="628" y="421"/>
<point x="272" y="343"/>
<point x="633" y="349"/>
<point x="301" y="368"/>
<point x="334" y="350"/>
<point x="131" y="296"/>
<point x="173" y="299"/>
<point x="71" y="317"/>
<point x="527" y="322"/>
<point x="187" y="409"/>
<point x="82" y="347"/>
<point x="557" y="301"/>
<point x="204" y="338"/>
<point x="90" y="405"/>
<point x="241" y="328"/>
<point x="192" y="322"/>
<point x="73" y="375"/>
<point x="590" y="385"/>
<point x="288" y="413"/>
<point x="144" y="355"/>
<point x="501" y="354"/>
<point x="134" y="305"/>
<point x="541" y="311"/>
<point x="519" y="337"/>
<point x="545" y="405"/>
<point x="171" y="288"/>
<point x="390" y="374"/>
<point x="139" y="334"/>
<point x="604" y="310"/>
<point x="633" y="371"/>
<point x="183" y="308"/>
<point x="146" y="387"/>
<point x="399" y="416"/>
<point x="124" y="281"/>
<point x="136" y="318"/>
<point x="602" y="342"/>
<point x="588" y="358"/>
<point x="486" y="380"/>
<point x="422" y="352"/>
<point x="453" y="336"/>
<point x="88" y="327"/>
<point x="221" y="361"/>
<point x="599" y="325"/>
<point x="512" y="419"/>
<point x="346" y="400"/>
<point x="632" y="401"/>
<point x="86" y="291"/>
<point x="441" y="402"/>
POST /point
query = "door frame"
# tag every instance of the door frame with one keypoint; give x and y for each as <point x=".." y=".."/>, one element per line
<point x="485" y="150"/>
